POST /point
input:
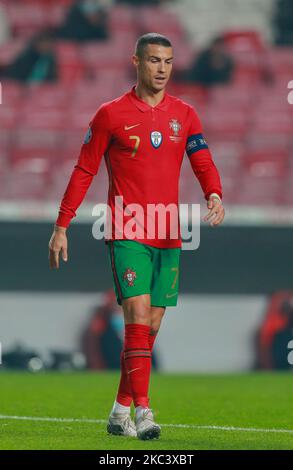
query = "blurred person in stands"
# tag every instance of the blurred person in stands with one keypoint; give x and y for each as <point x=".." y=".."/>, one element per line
<point x="282" y="338"/>
<point x="102" y="341"/>
<point x="37" y="63"/>
<point x="274" y="333"/>
<point x="4" y="26"/>
<point x="213" y="66"/>
<point x="87" y="20"/>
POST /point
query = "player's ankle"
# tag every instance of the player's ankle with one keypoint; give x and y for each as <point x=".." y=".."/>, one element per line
<point x="120" y="409"/>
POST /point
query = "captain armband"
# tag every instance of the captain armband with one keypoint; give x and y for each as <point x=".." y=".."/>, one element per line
<point x="195" y="143"/>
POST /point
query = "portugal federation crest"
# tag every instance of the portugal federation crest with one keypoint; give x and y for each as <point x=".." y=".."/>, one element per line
<point x="129" y="276"/>
<point x="175" y="126"/>
<point x="156" y="139"/>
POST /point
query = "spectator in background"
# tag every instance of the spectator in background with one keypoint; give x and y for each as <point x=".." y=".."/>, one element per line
<point x="37" y="63"/>
<point x="102" y="341"/>
<point x="279" y="350"/>
<point x="4" y="26"/>
<point x="87" y="20"/>
<point x="213" y="66"/>
<point x="275" y="332"/>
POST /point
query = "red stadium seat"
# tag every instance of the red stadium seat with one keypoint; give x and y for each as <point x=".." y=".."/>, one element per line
<point x="242" y="41"/>
<point x="268" y="141"/>
<point x="230" y="96"/>
<point x="10" y="50"/>
<point x="267" y="163"/>
<point x="70" y="65"/>
<point x="280" y="59"/>
<point x="278" y="123"/>
<point x="28" y="137"/>
<point x="47" y="119"/>
<point x="13" y="94"/>
<point x="122" y="18"/>
<point x="30" y="181"/>
<point x="28" y="158"/>
<point x="227" y="154"/>
<point x="55" y="96"/>
<point x="258" y="191"/>
<point x="97" y="57"/>
<point x="27" y="19"/>
<point x="152" y="18"/>
<point x="8" y="117"/>
<point x="225" y="125"/>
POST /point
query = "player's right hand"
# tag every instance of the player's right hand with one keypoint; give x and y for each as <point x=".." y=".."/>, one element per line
<point x="57" y="243"/>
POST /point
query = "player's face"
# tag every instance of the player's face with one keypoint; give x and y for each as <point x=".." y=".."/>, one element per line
<point x="154" y="68"/>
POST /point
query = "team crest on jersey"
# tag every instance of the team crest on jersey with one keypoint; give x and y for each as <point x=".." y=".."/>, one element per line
<point x="129" y="276"/>
<point x="176" y="127"/>
<point x="156" y="139"/>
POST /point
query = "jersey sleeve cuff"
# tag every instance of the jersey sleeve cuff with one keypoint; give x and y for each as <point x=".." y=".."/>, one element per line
<point x="214" y="193"/>
<point x="63" y="220"/>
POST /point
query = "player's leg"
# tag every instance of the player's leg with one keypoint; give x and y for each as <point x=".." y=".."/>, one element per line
<point x="137" y="365"/>
<point x="164" y="291"/>
<point x="137" y="355"/>
<point x="124" y="395"/>
<point x="131" y="267"/>
<point x="157" y="314"/>
<point x="133" y="273"/>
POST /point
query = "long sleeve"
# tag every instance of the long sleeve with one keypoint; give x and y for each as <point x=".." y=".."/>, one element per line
<point x="95" y="144"/>
<point x="201" y="159"/>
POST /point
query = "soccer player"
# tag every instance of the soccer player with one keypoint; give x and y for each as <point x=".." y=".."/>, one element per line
<point x="143" y="136"/>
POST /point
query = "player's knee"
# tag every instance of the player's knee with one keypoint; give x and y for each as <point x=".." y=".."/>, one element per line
<point x="141" y="317"/>
<point x="136" y="312"/>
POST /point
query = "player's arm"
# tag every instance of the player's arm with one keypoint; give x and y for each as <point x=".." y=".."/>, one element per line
<point x="95" y="144"/>
<point x="205" y="170"/>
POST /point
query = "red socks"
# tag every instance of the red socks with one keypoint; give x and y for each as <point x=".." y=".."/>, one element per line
<point x="135" y="366"/>
<point x="151" y="341"/>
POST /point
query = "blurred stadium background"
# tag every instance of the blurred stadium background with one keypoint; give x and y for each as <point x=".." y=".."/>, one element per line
<point x="234" y="310"/>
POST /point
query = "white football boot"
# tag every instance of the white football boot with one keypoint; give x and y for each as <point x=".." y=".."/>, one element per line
<point x="121" y="424"/>
<point x="146" y="428"/>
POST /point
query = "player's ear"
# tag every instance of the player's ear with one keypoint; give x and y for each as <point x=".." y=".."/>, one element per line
<point x="135" y="60"/>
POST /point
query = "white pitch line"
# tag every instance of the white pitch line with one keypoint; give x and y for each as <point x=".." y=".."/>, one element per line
<point x="54" y="420"/>
<point x="184" y="426"/>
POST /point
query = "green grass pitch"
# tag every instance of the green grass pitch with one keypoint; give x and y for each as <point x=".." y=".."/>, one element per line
<point x="258" y="405"/>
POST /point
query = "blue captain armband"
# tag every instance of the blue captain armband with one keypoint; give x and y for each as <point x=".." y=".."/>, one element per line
<point x="195" y="143"/>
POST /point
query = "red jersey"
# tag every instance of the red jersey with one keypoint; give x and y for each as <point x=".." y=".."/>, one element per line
<point x="143" y="147"/>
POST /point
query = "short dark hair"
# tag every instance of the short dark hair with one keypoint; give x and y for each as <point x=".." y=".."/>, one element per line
<point x="150" y="38"/>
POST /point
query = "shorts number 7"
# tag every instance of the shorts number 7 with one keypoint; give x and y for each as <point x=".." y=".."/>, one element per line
<point x="176" y="277"/>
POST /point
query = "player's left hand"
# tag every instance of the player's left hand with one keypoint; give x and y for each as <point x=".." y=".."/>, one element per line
<point x="216" y="212"/>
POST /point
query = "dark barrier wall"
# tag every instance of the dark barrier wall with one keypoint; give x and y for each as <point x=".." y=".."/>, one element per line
<point x="229" y="260"/>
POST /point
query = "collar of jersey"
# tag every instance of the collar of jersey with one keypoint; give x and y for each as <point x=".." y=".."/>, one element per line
<point x="143" y="106"/>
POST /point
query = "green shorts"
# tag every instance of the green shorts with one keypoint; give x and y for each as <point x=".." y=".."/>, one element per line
<point x="139" y="269"/>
